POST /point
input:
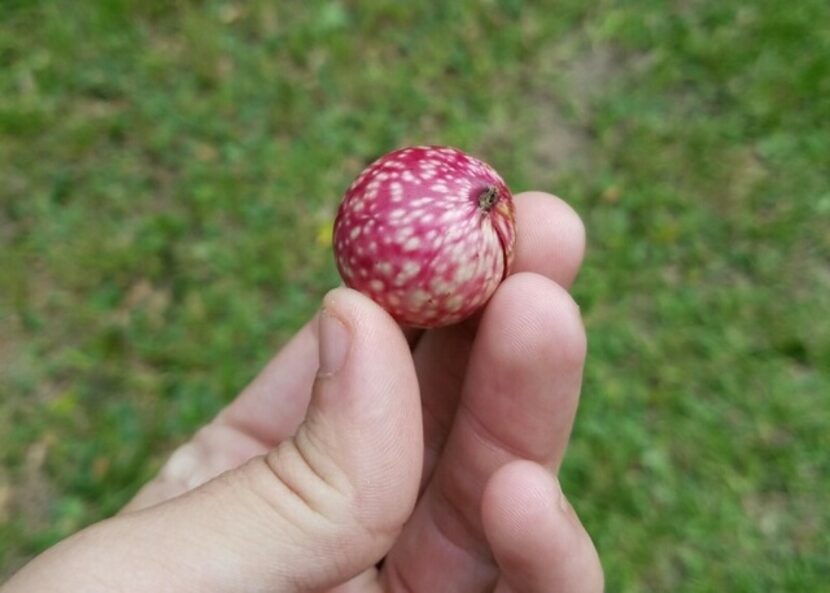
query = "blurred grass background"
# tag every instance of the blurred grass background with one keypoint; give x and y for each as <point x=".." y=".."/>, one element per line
<point x="168" y="170"/>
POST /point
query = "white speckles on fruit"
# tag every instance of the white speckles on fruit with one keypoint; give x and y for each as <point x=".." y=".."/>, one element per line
<point x="399" y="280"/>
<point x="451" y="216"/>
<point x="464" y="272"/>
<point x="411" y="233"/>
<point x="458" y="249"/>
<point x="454" y="303"/>
<point x="410" y="268"/>
<point x="408" y="271"/>
<point x="418" y="298"/>
<point x="404" y="233"/>
<point x="412" y="244"/>
<point x="384" y="268"/>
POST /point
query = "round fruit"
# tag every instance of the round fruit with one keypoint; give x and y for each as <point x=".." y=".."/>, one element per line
<point x="427" y="232"/>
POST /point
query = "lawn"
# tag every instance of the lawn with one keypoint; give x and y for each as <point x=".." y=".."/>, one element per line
<point x="168" y="175"/>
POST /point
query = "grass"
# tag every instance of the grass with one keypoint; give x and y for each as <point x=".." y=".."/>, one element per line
<point x="169" y="170"/>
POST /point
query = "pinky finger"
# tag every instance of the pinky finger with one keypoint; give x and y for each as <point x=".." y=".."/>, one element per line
<point x="536" y="538"/>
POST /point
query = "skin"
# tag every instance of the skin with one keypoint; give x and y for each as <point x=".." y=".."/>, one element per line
<point x="434" y="451"/>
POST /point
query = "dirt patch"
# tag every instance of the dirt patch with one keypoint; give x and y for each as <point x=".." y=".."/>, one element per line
<point x="563" y="108"/>
<point x="5" y="499"/>
<point x="26" y="498"/>
<point x="33" y="494"/>
<point x="558" y="143"/>
<point x="590" y="74"/>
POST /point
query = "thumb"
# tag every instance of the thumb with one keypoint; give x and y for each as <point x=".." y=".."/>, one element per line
<point x="328" y="503"/>
<point x="315" y="511"/>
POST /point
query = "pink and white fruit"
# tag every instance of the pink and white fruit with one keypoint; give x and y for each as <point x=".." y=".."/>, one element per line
<point x="427" y="232"/>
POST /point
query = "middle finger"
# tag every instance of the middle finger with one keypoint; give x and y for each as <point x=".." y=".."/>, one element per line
<point x="551" y="243"/>
<point x="518" y="402"/>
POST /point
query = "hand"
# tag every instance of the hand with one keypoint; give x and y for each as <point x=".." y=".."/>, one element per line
<point x="434" y="452"/>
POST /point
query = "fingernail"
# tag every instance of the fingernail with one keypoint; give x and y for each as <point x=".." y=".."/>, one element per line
<point x="334" y="344"/>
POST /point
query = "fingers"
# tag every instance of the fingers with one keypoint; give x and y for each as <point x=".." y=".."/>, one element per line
<point x="270" y="409"/>
<point x="525" y="374"/>
<point x="518" y="402"/>
<point x="538" y="542"/>
<point x="550" y="242"/>
<point x="215" y="449"/>
<point x="551" y="238"/>
<point x="320" y="507"/>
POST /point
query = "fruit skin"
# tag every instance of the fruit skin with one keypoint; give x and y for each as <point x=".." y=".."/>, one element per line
<point x="428" y="232"/>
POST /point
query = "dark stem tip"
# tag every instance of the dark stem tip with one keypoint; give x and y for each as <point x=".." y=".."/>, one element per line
<point x="488" y="198"/>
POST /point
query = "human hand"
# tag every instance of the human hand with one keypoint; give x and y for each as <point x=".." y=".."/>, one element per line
<point x="435" y="455"/>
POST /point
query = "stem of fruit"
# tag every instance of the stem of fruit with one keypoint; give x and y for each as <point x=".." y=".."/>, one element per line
<point x="487" y="198"/>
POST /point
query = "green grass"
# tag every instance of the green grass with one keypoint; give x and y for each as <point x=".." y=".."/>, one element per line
<point x="166" y="169"/>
